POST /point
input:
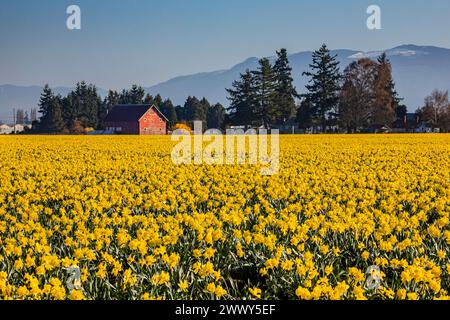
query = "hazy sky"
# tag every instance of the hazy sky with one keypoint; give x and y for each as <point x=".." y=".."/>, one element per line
<point x="148" y="41"/>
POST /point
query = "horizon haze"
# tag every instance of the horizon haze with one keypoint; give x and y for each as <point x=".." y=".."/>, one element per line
<point x="179" y="48"/>
<point x="149" y="42"/>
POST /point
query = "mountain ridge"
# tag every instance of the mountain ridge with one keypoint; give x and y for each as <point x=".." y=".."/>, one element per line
<point x="417" y="70"/>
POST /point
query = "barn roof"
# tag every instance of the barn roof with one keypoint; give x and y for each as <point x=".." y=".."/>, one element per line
<point x="130" y="112"/>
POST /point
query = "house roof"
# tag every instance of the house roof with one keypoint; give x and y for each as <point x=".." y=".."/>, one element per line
<point x="130" y="112"/>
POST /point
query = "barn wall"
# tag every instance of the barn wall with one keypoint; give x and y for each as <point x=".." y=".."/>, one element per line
<point x="127" y="127"/>
<point x="152" y="123"/>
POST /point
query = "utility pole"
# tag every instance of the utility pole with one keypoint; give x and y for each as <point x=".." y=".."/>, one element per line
<point x="14" y="117"/>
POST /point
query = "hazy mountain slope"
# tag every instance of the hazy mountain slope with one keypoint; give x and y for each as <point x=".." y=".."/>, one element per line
<point x="417" y="71"/>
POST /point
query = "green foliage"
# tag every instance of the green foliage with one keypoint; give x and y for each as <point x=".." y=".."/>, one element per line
<point x="216" y="116"/>
<point x="167" y="108"/>
<point x="265" y="96"/>
<point x="303" y="116"/>
<point x="285" y="92"/>
<point x="45" y="107"/>
<point x="264" y="80"/>
<point x="51" y="120"/>
<point x="242" y="100"/>
<point x="195" y="110"/>
<point x="323" y="86"/>
<point x="56" y="123"/>
<point x="133" y="96"/>
<point x="368" y="97"/>
<point x="109" y="102"/>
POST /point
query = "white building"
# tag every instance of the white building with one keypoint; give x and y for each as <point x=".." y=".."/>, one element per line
<point x="8" y="129"/>
<point x="5" y="129"/>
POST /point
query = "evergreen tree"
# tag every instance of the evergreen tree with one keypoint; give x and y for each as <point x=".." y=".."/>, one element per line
<point x="93" y="107"/>
<point x="112" y="99"/>
<point x="124" y="97"/>
<point x="136" y="94"/>
<point x="96" y="101"/>
<point x="80" y="95"/>
<point x="158" y="100"/>
<point x="206" y="106"/>
<point x="86" y="105"/>
<point x="400" y="112"/>
<point x="181" y="114"/>
<point x="74" y="104"/>
<point x="45" y="108"/>
<point x="109" y="102"/>
<point x="242" y="99"/>
<point x="216" y="117"/>
<point x="167" y="108"/>
<point x="323" y="86"/>
<point x="396" y="99"/>
<point x="56" y="123"/>
<point x="384" y="109"/>
<point x="83" y="105"/>
<point x="303" y="117"/>
<point x="195" y="110"/>
<point x="67" y="109"/>
<point x="264" y="80"/>
<point x="149" y="99"/>
<point x="285" y="92"/>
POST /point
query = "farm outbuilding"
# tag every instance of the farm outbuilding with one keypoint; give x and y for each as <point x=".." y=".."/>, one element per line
<point x="139" y="119"/>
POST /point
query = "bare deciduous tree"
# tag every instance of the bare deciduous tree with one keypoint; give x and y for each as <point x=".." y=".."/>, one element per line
<point x="436" y="111"/>
<point x="357" y="95"/>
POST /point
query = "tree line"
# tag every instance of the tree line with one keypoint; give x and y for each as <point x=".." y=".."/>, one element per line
<point x="360" y="97"/>
<point x="265" y="96"/>
<point x="83" y="109"/>
<point x="436" y="110"/>
<point x="364" y="94"/>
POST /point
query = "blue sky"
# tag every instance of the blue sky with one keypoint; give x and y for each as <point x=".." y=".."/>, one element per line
<point x="148" y="41"/>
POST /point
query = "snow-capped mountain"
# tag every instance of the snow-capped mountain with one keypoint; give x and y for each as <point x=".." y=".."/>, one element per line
<point x="418" y="70"/>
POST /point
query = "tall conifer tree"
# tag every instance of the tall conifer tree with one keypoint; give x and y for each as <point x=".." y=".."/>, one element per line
<point x="242" y="99"/>
<point x="167" y="108"/>
<point x="386" y="97"/>
<point x="285" y="92"/>
<point x="45" y="107"/>
<point x="323" y="86"/>
<point x="264" y="79"/>
<point x="56" y="123"/>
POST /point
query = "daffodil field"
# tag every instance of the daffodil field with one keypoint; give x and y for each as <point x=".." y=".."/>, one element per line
<point x="138" y="226"/>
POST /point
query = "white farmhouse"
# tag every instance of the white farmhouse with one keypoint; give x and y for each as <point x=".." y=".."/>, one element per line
<point x="5" y="129"/>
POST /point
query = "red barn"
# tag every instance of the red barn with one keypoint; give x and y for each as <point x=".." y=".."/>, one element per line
<point x="136" y="119"/>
